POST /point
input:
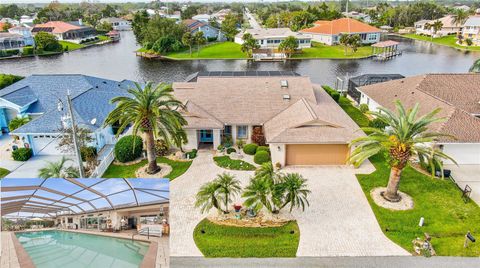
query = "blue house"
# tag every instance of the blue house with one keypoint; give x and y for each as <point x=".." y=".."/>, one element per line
<point x="25" y="32"/>
<point x="209" y="31"/>
<point x="44" y="99"/>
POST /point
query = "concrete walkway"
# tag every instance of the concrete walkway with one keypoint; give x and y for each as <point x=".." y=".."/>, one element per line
<point x="356" y="262"/>
<point x="30" y="168"/>
<point x="8" y="254"/>
<point x="339" y="221"/>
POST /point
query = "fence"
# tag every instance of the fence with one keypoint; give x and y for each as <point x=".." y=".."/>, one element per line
<point x="104" y="164"/>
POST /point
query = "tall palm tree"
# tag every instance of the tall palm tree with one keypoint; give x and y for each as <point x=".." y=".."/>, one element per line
<point x="207" y="197"/>
<point x="228" y="187"/>
<point x="344" y="41"/>
<point x="58" y="170"/>
<point x="249" y="44"/>
<point x="436" y="26"/>
<point x="295" y="190"/>
<point x="459" y="17"/>
<point x="152" y="111"/>
<point x="404" y="138"/>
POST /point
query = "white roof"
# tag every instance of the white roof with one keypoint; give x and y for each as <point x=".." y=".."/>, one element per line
<point x="274" y="32"/>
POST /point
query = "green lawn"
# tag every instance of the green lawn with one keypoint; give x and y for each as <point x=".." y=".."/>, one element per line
<point x="245" y="242"/>
<point x="449" y="40"/>
<point x="321" y="51"/>
<point x="353" y="112"/>
<point x="447" y="217"/>
<point x="223" y="50"/>
<point x="234" y="164"/>
<point x="3" y="172"/>
<point x="71" y="46"/>
<point x="116" y="171"/>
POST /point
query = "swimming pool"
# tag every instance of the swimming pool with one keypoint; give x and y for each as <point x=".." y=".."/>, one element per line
<point x="50" y="249"/>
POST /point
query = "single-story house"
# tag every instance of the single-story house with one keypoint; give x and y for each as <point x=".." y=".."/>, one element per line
<point x="449" y="26"/>
<point x="471" y="29"/>
<point x="203" y="17"/>
<point x="118" y="24"/>
<point x="302" y="124"/>
<point x="328" y="32"/>
<point x="41" y="97"/>
<point x="25" y="32"/>
<point x="74" y="32"/>
<point x="367" y="79"/>
<point x="9" y="41"/>
<point x="272" y="37"/>
<point x="208" y="31"/>
<point x="457" y="95"/>
<point x="358" y="16"/>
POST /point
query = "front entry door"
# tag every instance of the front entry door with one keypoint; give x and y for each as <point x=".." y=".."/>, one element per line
<point x="206" y="136"/>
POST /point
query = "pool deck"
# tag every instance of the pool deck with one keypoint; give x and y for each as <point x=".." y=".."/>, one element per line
<point x="14" y="256"/>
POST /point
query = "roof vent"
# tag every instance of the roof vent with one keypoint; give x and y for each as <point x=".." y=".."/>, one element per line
<point x="286" y="97"/>
<point x="284" y="83"/>
<point x="105" y="82"/>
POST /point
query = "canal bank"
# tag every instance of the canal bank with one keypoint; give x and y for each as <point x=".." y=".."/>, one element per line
<point x="118" y="61"/>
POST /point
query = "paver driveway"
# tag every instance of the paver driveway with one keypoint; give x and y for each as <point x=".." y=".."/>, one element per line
<point x="339" y="221"/>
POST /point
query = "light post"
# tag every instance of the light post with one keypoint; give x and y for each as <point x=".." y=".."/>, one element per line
<point x="74" y="133"/>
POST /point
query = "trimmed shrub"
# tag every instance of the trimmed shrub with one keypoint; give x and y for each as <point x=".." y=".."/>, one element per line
<point x="263" y="148"/>
<point x="250" y="148"/>
<point x="261" y="157"/>
<point x="27" y="51"/>
<point x="22" y="154"/>
<point x="192" y="154"/>
<point x="161" y="148"/>
<point x="231" y="150"/>
<point x="363" y="108"/>
<point x="333" y="93"/>
<point x="469" y="41"/>
<point x="377" y="123"/>
<point x="221" y="147"/>
<point x="335" y="96"/>
<point x="240" y="143"/>
<point x="88" y="153"/>
<point x="128" y="148"/>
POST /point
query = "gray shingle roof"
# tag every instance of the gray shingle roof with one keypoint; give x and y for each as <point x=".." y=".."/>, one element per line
<point x="472" y="21"/>
<point x="90" y="97"/>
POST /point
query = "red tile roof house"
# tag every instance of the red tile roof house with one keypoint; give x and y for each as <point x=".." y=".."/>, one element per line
<point x="458" y="96"/>
<point x="74" y="32"/>
<point x="328" y="32"/>
<point x="302" y="124"/>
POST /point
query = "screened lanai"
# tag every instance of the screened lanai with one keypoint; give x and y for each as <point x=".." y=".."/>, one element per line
<point x="49" y="198"/>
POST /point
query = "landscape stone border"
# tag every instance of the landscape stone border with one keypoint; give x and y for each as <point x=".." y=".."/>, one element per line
<point x="406" y="203"/>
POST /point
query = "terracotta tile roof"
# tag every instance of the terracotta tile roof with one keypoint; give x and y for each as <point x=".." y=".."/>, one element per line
<point x="343" y="25"/>
<point x="458" y="95"/>
<point x="58" y="26"/>
<point x="305" y="118"/>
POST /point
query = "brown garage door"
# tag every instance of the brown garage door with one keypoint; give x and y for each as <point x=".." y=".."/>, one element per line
<point x="317" y="154"/>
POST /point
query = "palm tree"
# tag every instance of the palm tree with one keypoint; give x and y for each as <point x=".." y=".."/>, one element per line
<point x="475" y="67"/>
<point x="404" y="138"/>
<point x="345" y="41"/>
<point x="267" y="171"/>
<point x="199" y="39"/>
<point x="436" y="26"/>
<point x="295" y="190"/>
<point x="207" y="197"/>
<point x="188" y="40"/>
<point x="152" y="111"/>
<point x="228" y="186"/>
<point x="258" y="195"/>
<point x="459" y="17"/>
<point x="58" y="170"/>
<point x="355" y="42"/>
<point x="249" y="44"/>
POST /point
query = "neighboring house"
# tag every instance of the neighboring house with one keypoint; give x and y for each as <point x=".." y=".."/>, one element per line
<point x="367" y="79"/>
<point x="118" y="24"/>
<point x="471" y="29"/>
<point x="449" y="26"/>
<point x="358" y="16"/>
<point x="13" y="22"/>
<point x="202" y="17"/>
<point x="221" y="14"/>
<point x="209" y="31"/>
<point x="26" y="19"/>
<point x="272" y="37"/>
<point x="328" y="32"/>
<point x="74" y="32"/>
<point x="457" y="95"/>
<point x="25" y="32"/>
<point x="302" y="124"/>
<point x="9" y="41"/>
<point x="42" y="96"/>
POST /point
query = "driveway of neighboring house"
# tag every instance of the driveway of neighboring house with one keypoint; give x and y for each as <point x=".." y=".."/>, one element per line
<point x="467" y="175"/>
<point x="339" y="221"/>
<point x="30" y="168"/>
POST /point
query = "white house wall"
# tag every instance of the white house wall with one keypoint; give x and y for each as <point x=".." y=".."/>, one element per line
<point x="278" y="153"/>
<point x="463" y="153"/>
<point x="192" y="137"/>
<point x="365" y="99"/>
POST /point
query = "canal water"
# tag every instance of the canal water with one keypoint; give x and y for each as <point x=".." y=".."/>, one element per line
<point x="118" y="61"/>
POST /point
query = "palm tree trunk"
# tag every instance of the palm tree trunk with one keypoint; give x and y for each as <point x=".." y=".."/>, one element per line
<point x="151" y="155"/>
<point x="392" y="188"/>
<point x="226" y="203"/>
<point x="190" y="50"/>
